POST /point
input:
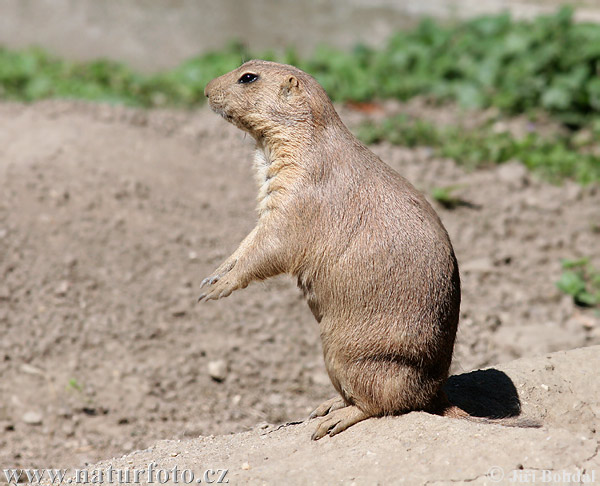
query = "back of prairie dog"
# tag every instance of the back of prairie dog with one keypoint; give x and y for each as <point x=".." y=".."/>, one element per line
<point x="370" y="254"/>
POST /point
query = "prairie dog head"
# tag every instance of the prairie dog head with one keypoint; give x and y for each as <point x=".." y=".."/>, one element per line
<point x="270" y="101"/>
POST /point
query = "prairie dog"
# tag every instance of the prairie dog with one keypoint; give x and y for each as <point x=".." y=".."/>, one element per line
<point x="370" y="254"/>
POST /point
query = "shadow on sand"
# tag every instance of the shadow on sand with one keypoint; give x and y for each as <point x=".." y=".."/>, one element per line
<point x="484" y="393"/>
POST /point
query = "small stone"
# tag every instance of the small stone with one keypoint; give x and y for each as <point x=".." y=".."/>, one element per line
<point x="62" y="288"/>
<point x="31" y="370"/>
<point x="573" y="191"/>
<point x="32" y="418"/>
<point x="193" y="256"/>
<point x="179" y="311"/>
<point x="68" y="429"/>
<point x="275" y="399"/>
<point x="513" y="173"/>
<point x="587" y="322"/>
<point x="4" y="293"/>
<point x="70" y="261"/>
<point x="245" y="466"/>
<point x="218" y="370"/>
<point x="544" y="387"/>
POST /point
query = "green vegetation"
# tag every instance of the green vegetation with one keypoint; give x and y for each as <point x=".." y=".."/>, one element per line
<point x="557" y="158"/>
<point x="582" y="281"/>
<point x="446" y="197"/>
<point x="74" y="385"/>
<point x="33" y="74"/>
<point x="551" y="62"/>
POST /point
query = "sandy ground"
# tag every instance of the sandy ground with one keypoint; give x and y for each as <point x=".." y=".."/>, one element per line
<point x="111" y="217"/>
<point x="416" y="449"/>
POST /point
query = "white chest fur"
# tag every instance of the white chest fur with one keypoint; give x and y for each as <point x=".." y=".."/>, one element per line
<point x="262" y="163"/>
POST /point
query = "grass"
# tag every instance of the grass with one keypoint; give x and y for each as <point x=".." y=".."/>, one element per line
<point x="517" y="66"/>
<point x="550" y="64"/>
<point x="581" y="281"/>
<point x="33" y="74"/>
<point x="73" y="385"/>
<point x="557" y="158"/>
<point x="447" y="198"/>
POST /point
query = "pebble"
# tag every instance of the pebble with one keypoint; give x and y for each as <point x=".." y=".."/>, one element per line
<point x="179" y="311"/>
<point x="31" y="370"/>
<point x="217" y="370"/>
<point x="32" y="418"/>
<point x="513" y="173"/>
<point x="62" y="288"/>
<point x="4" y="293"/>
<point x="68" y="429"/>
<point x="276" y="399"/>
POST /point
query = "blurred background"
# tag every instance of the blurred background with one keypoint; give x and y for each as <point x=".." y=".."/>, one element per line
<point x="120" y="191"/>
<point x="159" y="34"/>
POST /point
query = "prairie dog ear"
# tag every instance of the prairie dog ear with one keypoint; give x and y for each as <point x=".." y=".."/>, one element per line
<point x="290" y="85"/>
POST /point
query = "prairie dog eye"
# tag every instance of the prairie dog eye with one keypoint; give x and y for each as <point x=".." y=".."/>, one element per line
<point x="248" y="78"/>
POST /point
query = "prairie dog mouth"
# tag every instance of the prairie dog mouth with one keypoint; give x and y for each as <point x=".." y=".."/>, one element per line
<point x="221" y="111"/>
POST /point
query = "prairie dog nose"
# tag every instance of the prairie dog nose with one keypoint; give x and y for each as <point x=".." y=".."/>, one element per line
<point x="207" y="88"/>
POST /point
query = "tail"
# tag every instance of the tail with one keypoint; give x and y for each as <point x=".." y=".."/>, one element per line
<point x="444" y="408"/>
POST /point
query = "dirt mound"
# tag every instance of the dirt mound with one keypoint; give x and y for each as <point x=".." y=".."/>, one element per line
<point x="111" y="217"/>
<point x="419" y="448"/>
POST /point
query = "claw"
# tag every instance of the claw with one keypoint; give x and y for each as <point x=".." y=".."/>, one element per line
<point x="218" y="287"/>
<point x="338" y="421"/>
<point x="209" y="280"/>
<point x="327" y="407"/>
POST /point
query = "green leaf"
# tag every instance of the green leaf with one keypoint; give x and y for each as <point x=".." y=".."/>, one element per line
<point x="571" y="283"/>
<point x="557" y="98"/>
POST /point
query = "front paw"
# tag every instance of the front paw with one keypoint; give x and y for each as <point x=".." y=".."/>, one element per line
<point x="219" y="287"/>
<point x="220" y="272"/>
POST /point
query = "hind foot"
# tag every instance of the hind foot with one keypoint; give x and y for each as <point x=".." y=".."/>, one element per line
<point x="338" y="421"/>
<point x="327" y="407"/>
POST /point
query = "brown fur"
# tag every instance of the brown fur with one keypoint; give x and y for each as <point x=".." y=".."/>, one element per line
<point x="370" y="254"/>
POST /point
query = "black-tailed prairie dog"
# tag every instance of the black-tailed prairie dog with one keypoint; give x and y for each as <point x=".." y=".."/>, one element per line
<point x="370" y="254"/>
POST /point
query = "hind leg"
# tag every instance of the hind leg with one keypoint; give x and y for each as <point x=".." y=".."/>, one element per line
<point x="338" y="421"/>
<point x="328" y="407"/>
